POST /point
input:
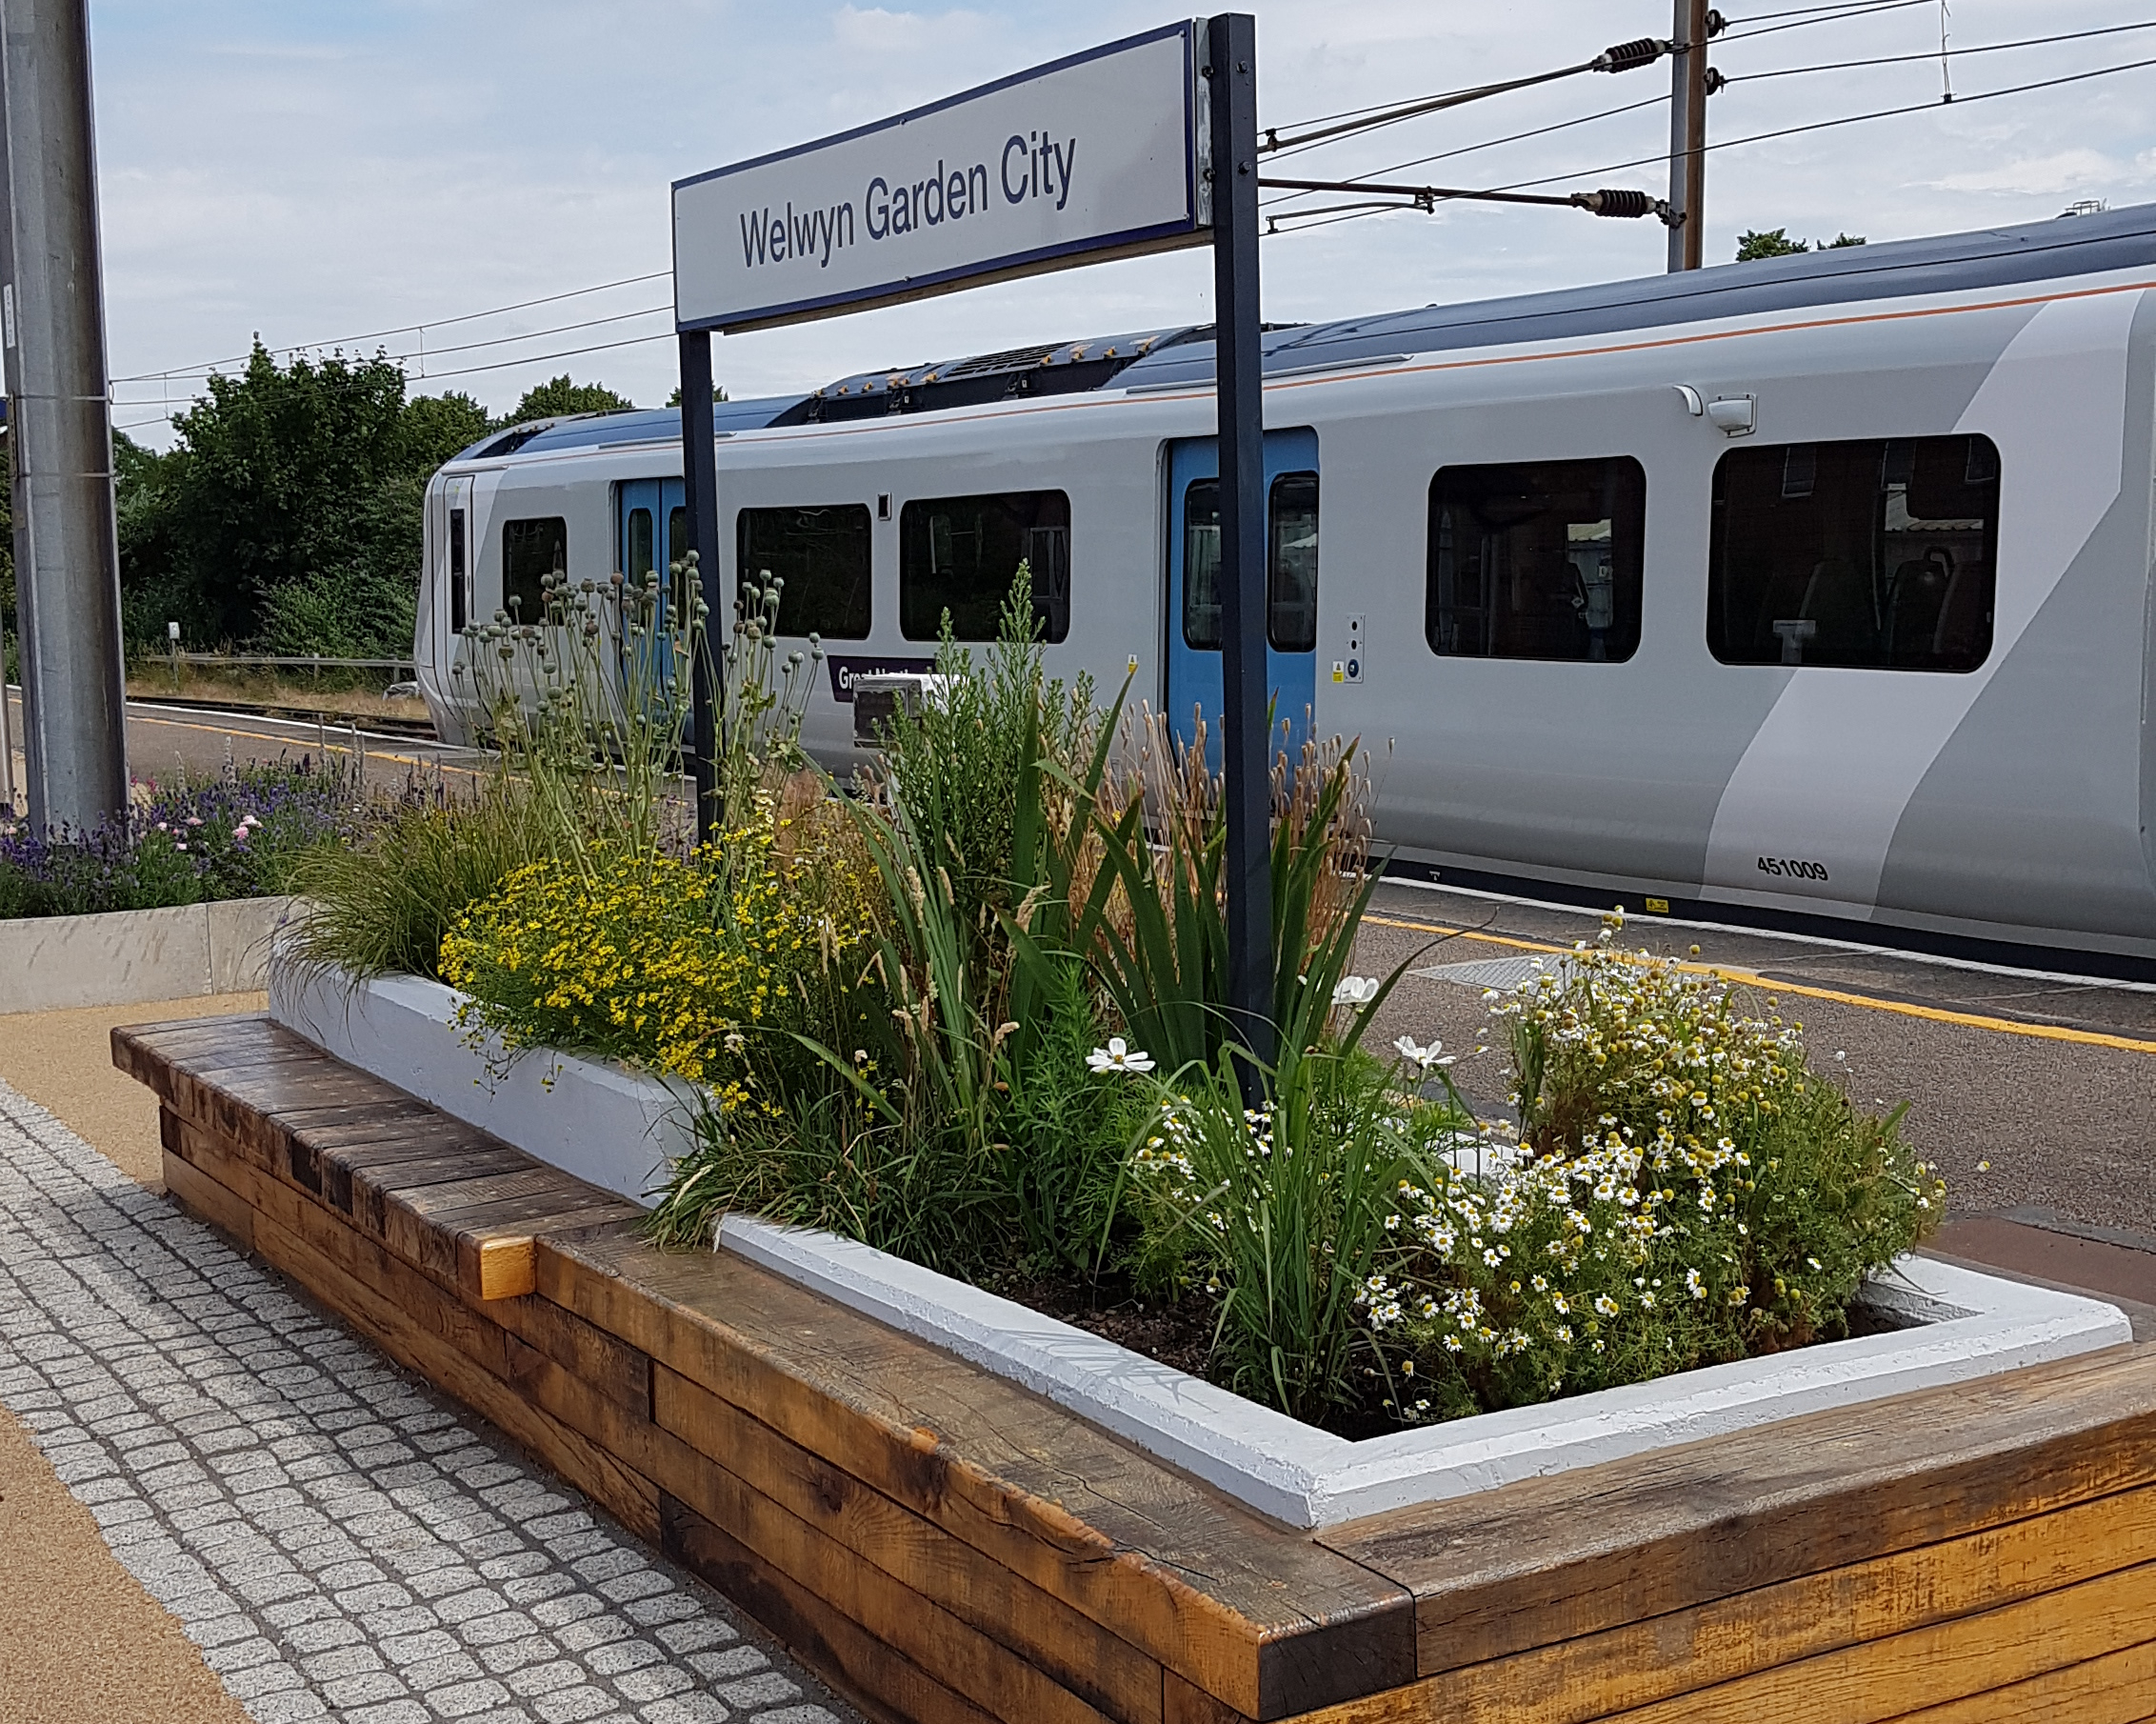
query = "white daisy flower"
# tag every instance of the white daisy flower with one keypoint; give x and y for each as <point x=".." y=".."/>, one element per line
<point x="1118" y="1056"/>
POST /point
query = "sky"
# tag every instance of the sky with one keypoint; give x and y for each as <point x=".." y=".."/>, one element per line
<point x="367" y="173"/>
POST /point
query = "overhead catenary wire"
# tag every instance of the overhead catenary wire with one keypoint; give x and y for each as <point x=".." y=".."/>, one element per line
<point x="1759" y="137"/>
<point x="1835" y="14"/>
<point x="1514" y="137"/>
<point x="1847" y="119"/>
<point x="1307" y="134"/>
<point x="1942" y="55"/>
<point x="414" y="325"/>
<point x="429" y="354"/>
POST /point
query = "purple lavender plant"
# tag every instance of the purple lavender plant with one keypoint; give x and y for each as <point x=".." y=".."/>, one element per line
<point x="235" y="836"/>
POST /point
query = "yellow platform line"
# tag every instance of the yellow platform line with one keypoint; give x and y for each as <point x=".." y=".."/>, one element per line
<point x="1936" y="1015"/>
<point x="327" y="746"/>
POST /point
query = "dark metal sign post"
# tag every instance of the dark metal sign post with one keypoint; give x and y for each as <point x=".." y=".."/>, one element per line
<point x="1096" y="156"/>
<point x="1232" y="43"/>
<point x="700" y="497"/>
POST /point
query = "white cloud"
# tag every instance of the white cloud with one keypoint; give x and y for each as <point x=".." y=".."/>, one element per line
<point x="2066" y="170"/>
<point x="321" y="170"/>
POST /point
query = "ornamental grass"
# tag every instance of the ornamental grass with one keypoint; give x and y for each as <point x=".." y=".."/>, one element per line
<point x="969" y="1009"/>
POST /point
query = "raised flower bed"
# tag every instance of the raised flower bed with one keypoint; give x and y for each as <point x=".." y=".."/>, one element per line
<point x="1649" y="1406"/>
<point x="179" y="897"/>
<point x="946" y="1544"/>
<point x="619" y="1130"/>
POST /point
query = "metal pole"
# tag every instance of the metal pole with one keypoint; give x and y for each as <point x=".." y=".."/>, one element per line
<point x="52" y="328"/>
<point x="1231" y="48"/>
<point x="700" y="486"/>
<point x="1687" y="133"/>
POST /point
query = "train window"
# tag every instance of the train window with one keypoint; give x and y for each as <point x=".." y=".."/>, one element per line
<point x="532" y="551"/>
<point x="958" y="554"/>
<point x="1291" y="564"/>
<point x="1873" y="554"/>
<point x="640" y="563"/>
<point x="1537" y="560"/>
<point x="677" y="555"/>
<point x="822" y="555"/>
<point x="459" y="596"/>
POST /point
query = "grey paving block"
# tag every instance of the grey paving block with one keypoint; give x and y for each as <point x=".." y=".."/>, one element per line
<point x="338" y="1540"/>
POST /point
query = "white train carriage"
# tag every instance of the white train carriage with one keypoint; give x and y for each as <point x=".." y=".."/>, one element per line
<point x="1815" y="587"/>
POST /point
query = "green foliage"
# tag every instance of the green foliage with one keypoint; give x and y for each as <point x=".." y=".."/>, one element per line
<point x="559" y="396"/>
<point x="1156" y="917"/>
<point x="954" y="773"/>
<point x="1284" y="1213"/>
<point x="383" y="906"/>
<point x="1775" y="242"/>
<point x="287" y="517"/>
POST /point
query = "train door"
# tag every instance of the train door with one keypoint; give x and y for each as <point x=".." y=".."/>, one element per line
<point x="654" y="539"/>
<point x="1291" y="583"/>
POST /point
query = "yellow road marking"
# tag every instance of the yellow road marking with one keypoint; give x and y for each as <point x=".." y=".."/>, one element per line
<point x="334" y="748"/>
<point x="1937" y="1015"/>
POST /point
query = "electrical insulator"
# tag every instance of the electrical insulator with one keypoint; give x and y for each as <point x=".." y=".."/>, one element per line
<point x="1630" y="56"/>
<point x="1624" y="205"/>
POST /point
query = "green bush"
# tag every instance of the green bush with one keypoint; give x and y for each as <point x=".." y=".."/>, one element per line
<point x="1681" y="1191"/>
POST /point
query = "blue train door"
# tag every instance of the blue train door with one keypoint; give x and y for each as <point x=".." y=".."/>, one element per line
<point x="1291" y="583"/>
<point x="654" y="534"/>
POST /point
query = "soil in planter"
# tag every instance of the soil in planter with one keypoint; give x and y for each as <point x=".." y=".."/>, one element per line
<point x="1177" y="1334"/>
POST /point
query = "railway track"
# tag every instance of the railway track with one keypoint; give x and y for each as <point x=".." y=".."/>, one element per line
<point x="375" y="722"/>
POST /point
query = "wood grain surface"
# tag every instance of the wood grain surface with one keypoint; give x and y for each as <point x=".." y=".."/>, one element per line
<point x="945" y="1544"/>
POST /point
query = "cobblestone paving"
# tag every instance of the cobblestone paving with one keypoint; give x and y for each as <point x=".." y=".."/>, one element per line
<point x="339" y="1540"/>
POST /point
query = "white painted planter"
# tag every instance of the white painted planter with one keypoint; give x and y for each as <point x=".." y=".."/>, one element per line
<point x="1968" y="1325"/>
<point x="124" y="957"/>
<point x="616" y="1128"/>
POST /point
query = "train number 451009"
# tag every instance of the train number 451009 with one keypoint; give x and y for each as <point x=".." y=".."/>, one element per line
<point x="1792" y="870"/>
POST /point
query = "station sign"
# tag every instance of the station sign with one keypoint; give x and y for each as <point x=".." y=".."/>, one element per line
<point x="1098" y="156"/>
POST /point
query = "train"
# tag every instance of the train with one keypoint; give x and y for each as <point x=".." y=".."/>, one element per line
<point x="1812" y="589"/>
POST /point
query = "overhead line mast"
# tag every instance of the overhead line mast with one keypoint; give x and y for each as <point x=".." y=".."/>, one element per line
<point x="1691" y="81"/>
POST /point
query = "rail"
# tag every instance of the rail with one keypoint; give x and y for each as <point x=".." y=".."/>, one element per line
<point x="311" y="661"/>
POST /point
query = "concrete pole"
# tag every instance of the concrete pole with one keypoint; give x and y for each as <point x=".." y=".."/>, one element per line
<point x="52" y="328"/>
<point x="1687" y="133"/>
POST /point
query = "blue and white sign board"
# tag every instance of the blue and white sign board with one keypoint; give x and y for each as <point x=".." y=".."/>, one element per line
<point x="1096" y="156"/>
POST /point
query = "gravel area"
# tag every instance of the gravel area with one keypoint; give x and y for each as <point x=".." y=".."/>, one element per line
<point x="338" y="1540"/>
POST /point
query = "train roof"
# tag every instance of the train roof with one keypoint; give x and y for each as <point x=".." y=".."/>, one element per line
<point x="633" y="425"/>
<point x="1182" y="356"/>
<point x="1990" y="257"/>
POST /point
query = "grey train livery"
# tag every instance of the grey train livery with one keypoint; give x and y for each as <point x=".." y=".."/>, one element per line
<point x="1812" y="587"/>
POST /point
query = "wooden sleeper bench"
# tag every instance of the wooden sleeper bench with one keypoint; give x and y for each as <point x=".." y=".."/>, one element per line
<point x="942" y="1544"/>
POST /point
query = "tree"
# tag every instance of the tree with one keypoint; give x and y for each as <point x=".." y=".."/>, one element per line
<point x="718" y="394"/>
<point x="289" y="516"/>
<point x="1775" y="242"/>
<point x="558" y="396"/>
